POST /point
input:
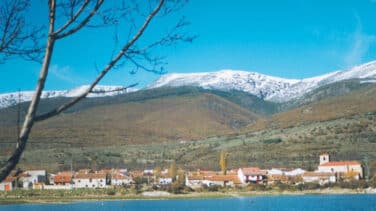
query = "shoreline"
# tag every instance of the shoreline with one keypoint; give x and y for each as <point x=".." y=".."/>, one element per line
<point x="45" y="199"/>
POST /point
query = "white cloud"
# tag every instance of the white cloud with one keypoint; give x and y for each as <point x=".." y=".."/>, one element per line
<point x="360" y="43"/>
<point x="65" y="74"/>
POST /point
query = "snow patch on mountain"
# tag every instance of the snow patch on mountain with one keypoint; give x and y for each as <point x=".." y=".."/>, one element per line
<point x="9" y="99"/>
<point x="264" y="86"/>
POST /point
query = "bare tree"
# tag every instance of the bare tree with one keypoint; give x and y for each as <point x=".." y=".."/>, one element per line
<point x="80" y="14"/>
<point x="16" y="37"/>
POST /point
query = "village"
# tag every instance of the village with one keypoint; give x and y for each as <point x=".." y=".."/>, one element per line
<point x="327" y="172"/>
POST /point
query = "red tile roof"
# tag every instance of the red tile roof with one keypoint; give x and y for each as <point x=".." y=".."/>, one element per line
<point x="62" y="179"/>
<point x="119" y="176"/>
<point x="252" y="171"/>
<point x="9" y="179"/>
<point x="341" y="163"/>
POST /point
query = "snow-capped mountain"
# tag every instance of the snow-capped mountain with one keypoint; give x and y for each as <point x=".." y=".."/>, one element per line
<point x="264" y="86"/>
<point x="13" y="98"/>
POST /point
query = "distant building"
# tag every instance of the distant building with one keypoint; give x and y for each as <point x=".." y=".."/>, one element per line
<point x="89" y="180"/>
<point x="31" y="177"/>
<point x="8" y="184"/>
<point x="252" y="175"/>
<point x="62" y="179"/>
<point x="319" y="177"/>
<point x="165" y="180"/>
<point x="209" y="178"/>
<point x="343" y="169"/>
<point x="284" y="176"/>
<point x="118" y="179"/>
<point x="148" y="172"/>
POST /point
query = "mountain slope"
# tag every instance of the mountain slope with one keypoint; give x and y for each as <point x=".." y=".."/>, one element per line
<point x="170" y="118"/>
<point x="263" y="86"/>
<point x="357" y="102"/>
<point x="335" y="89"/>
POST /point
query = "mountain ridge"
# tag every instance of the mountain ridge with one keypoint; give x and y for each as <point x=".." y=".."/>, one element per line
<point x="267" y="87"/>
<point x="13" y="98"/>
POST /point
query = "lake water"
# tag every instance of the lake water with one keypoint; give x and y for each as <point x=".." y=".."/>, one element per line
<point x="304" y="202"/>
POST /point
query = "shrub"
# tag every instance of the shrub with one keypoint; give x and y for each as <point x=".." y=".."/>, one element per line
<point x="354" y="184"/>
<point x="111" y="192"/>
<point x="175" y="188"/>
<point x="272" y="141"/>
<point x="308" y="186"/>
<point x="257" y="187"/>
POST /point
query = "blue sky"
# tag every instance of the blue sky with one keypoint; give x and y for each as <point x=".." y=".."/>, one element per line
<point x="291" y="39"/>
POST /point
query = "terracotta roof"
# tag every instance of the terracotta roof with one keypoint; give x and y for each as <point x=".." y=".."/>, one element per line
<point x="62" y="179"/>
<point x="90" y="176"/>
<point x="277" y="177"/>
<point x="119" y="176"/>
<point x="341" y="163"/>
<point x="232" y="172"/>
<point x="252" y="171"/>
<point x="136" y="173"/>
<point x="104" y="171"/>
<point x="24" y="175"/>
<point x="9" y="179"/>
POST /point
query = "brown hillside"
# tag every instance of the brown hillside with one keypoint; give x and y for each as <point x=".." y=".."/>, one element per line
<point x="157" y="120"/>
<point x="360" y="101"/>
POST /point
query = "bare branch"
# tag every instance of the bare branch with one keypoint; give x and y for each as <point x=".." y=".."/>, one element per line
<point x="73" y="17"/>
<point x="29" y="118"/>
<point x="18" y="38"/>
<point x="74" y="9"/>
<point x="83" y="23"/>
<point x="105" y="70"/>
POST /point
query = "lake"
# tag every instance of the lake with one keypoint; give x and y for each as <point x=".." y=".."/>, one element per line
<point x="301" y="202"/>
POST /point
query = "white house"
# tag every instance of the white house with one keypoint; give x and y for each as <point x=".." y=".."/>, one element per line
<point x="295" y="172"/>
<point x="118" y="179"/>
<point x="195" y="181"/>
<point x="251" y="175"/>
<point x="319" y="177"/>
<point x="7" y="184"/>
<point x="165" y="180"/>
<point x="32" y="177"/>
<point x="148" y="172"/>
<point x="342" y="168"/>
<point x="275" y="171"/>
<point x="89" y="180"/>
